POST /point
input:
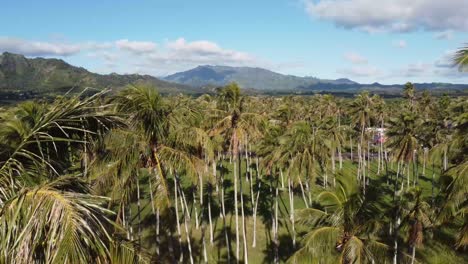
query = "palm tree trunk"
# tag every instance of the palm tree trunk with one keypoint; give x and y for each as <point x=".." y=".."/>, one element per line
<point x="333" y="167"/>
<point x="129" y="218"/>
<point x="340" y="154"/>
<point x="291" y="209"/>
<point x="139" y="209"/>
<point x="155" y="215"/>
<point x="303" y="193"/>
<point x="124" y="220"/>
<point x="424" y="162"/>
<point x="210" y="218"/>
<point x="179" y="233"/>
<point x="432" y="184"/>
<point x="197" y="224"/>
<point x="276" y="241"/>
<point x="186" y="225"/>
<point x="395" y="238"/>
<point x="282" y="179"/>
<point x="445" y="159"/>
<point x="254" y="240"/>
<point x="413" y="254"/>
<point x="223" y="212"/>
<point x="244" y="231"/>
<point x="203" y="224"/>
<point x="236" y="212"/>
<point x="255" y="207"/>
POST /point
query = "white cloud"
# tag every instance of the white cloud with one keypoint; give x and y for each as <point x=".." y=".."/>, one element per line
<point x="355" y="58"/>
<point x="38" y="48"/>
<point x="205" y="51"/>
<point x="137" y="47"/>
<point x="444" y="35"/>
<point x="182" y="54"/>
<point x="361" y="71"/>
<point x="400" y="44"/>
<point x="392" y="15"/>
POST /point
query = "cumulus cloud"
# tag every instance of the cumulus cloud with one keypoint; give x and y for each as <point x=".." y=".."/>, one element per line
<point x="355" y="58"/>
<point x="400" y="44"/>
<point x="137" y="47"/>
<point x="392" y="15"/>
<point x="38" y="48"/>
<point x="205" y="51"/>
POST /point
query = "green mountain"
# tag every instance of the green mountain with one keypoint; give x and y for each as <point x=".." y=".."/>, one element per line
<point x="49" y="76"/>
<point x="246" y="77"/>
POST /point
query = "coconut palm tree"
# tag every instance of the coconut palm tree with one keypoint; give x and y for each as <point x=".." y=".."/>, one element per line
<point x="461" y="58"/>
<point x="362" y="111"/>
<point x="163" y="139"/>
<point x="237" y="127"/>
<point x="344" y="228"/>
<point x="417" y="218"/>
<point x="47" y="215"/>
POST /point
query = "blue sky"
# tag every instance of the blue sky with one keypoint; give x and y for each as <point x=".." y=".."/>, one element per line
<point x="389" y="41"/>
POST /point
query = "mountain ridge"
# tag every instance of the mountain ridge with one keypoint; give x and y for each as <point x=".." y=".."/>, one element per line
<point x="247" y="77"/>
<point x="40" y="75"/>
<point x="34" y="77"/>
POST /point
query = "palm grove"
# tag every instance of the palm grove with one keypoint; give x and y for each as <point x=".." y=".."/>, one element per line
<point x="136" y="177"/>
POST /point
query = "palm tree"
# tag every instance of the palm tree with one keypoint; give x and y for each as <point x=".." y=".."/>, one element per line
<point x="344" y="228"/>
<point x="361" y="110"/>
<point x="237" y="126"/>
<point x="404" y="139"/>
<point x="417" y="218"/>
<point x="461" y="58"/>
<point x="45" y="214"/>
<point x="166" y="142"/>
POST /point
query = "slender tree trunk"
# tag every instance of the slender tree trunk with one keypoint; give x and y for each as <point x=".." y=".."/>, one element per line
<point x="424" y="162"/>
<point x="244" y="231"/>
<point x="203" y="223"/>
<point x="254" y="240"/>
<point x="187" y="223"/>
<point x="351" y="144"/>
<point x="210" y="218"/>
<point x="255" y="207"/>
<point x="197" y="224"/>
<point x="138" y="208"/>
<point x="124" y="221"/>
<point x="408" y="175"/>
<point x="413" y="254"/>
<point x="340" y="154"/>
<point x="155" y="215"/>
<point x="129" y="218"/>
<point x="236" y="212"/>
<point x="179" y="233"/>
<point x="432" y="184"/>
<point x="223" y="212"/>
<point x="303" y="193"/>
<point x="276" y="241"/>
<point x="445" y="159"/>
<point x="291" y="209"/>
<point x="282" y="179"/>
<point x="395" y="238"/>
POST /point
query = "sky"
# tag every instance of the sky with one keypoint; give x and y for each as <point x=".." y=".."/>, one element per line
<point x="385" y="41"/>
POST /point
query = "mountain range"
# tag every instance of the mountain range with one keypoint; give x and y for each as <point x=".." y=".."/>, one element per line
<point x="39" y="75"/>
<point x="247" y="77"/>
<point x="267" y="81"/>
<point x="31" y="77"/>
